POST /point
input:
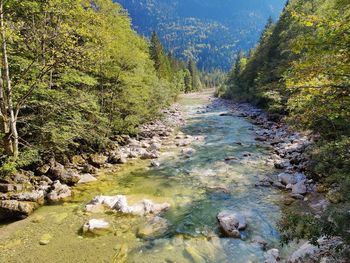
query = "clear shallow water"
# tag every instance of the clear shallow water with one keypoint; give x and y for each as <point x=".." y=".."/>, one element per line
<point x="192" y="186"/>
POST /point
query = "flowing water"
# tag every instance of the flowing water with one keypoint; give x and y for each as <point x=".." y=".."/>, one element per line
<point x="197" y="189"/>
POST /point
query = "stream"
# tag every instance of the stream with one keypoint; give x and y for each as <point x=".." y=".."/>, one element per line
<point x="197" y="188"/>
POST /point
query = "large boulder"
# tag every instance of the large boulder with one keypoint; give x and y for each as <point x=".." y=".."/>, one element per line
<point x="117" y="158"/>
<point x="34" y="196"/>
<point x="16" y="209"/>
<point x="96" y="227"/>
<point x="59" y="192"/>
<point x="56" y="170"/>
<point x="69" y="177"/>
<point x="231" y="223"/>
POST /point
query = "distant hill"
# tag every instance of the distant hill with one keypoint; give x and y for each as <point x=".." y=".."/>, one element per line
<point x="209" y="31"/>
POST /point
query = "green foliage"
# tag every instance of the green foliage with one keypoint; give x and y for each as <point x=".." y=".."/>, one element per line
<point x="10" y="165"/>
<point x="81" y="75"/>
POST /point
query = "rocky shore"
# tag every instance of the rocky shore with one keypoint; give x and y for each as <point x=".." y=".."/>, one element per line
<point x="52" y="182"/>
<point x="290" y="158"/>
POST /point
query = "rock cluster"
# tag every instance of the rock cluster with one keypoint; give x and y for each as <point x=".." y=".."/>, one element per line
<point x="119" y="203"/>
<point x="22" y="193"/>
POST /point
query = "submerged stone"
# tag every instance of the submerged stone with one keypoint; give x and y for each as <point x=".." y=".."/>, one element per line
<point x="45" y="239"/>
<point x="96" y="227"/>
<point x="156" y="226"/>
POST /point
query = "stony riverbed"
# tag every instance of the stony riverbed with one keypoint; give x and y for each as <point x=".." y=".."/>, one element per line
<point x="180" y="192"/>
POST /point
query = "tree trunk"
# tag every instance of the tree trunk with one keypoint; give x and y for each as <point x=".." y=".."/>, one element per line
<point x="10" y="123"/>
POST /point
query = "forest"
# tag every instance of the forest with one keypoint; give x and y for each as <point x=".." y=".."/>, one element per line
<point x="75" y="75"/>
<point x="208" y="31"/>
<point x="126" y="137"/>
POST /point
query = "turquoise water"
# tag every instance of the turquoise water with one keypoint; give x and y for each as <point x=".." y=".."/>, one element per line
<point x="197" y="188"/>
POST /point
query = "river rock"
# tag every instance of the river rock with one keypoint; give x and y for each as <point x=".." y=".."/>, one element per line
<point x="16" y="209"/>
<point x="59" y="192"/>
<point x="150" y="155"/>
<point x="45" y="239"/>
<point x="120" y="204"/>
<point x="188" y="152"/>
<point x="96" y="227"/>
<point x="260" y="242"/>
<point x="42" y="170"/>
<point x="6" y="188"/>
<point x="56" y="170"/>
<point x="23" y="178"/>
<point x="286" y="178"/>
<point x="311" y="253"/>
<point x="155" y="163"/>
<point x="299" y="188"/>
<point x="69" y="177"/>
<point x="97" y="159"/>
<point x="155" y="147"/>
<point x="78" y="160"/>
<point x="146" y="207"/>
<point x="272" y="256"/>
<point x="34" y="196"/>
<point x="117" y="158"/>
<point x="334" y="196"/>
<point x="305" y="250"/>
<point x="86" y="178"/>
<point x="88" y="168"/>
<point x="231" y="223"/>
<point x="156" y="226"/>
<point x="283" y="164"/>
<point x="278" y="185"/>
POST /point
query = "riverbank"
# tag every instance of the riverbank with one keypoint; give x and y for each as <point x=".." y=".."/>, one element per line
<point x="27" y="190"/>
<point x="291" y="159"/>
<point x="218" y="161"/>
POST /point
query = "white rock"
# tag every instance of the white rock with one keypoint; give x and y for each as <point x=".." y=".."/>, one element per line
<point x="96" y="226"/>
<point x="59" y="192"/>
<point x="86" y="178"/>
<point x="120" y="204"/>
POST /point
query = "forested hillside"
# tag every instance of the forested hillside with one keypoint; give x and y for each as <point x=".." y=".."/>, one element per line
<point x="300" y="70"/>
<point x="74" y="75"/>
<point x="207" y="31"/>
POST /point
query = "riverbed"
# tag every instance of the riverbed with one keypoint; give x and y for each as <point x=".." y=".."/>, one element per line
<point x="219" y="175"/>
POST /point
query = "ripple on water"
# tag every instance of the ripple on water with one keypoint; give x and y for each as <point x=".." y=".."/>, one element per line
<point x="197" y="189"/>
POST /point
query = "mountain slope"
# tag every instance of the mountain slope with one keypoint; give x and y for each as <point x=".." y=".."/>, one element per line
<point x="210" y="31"/>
